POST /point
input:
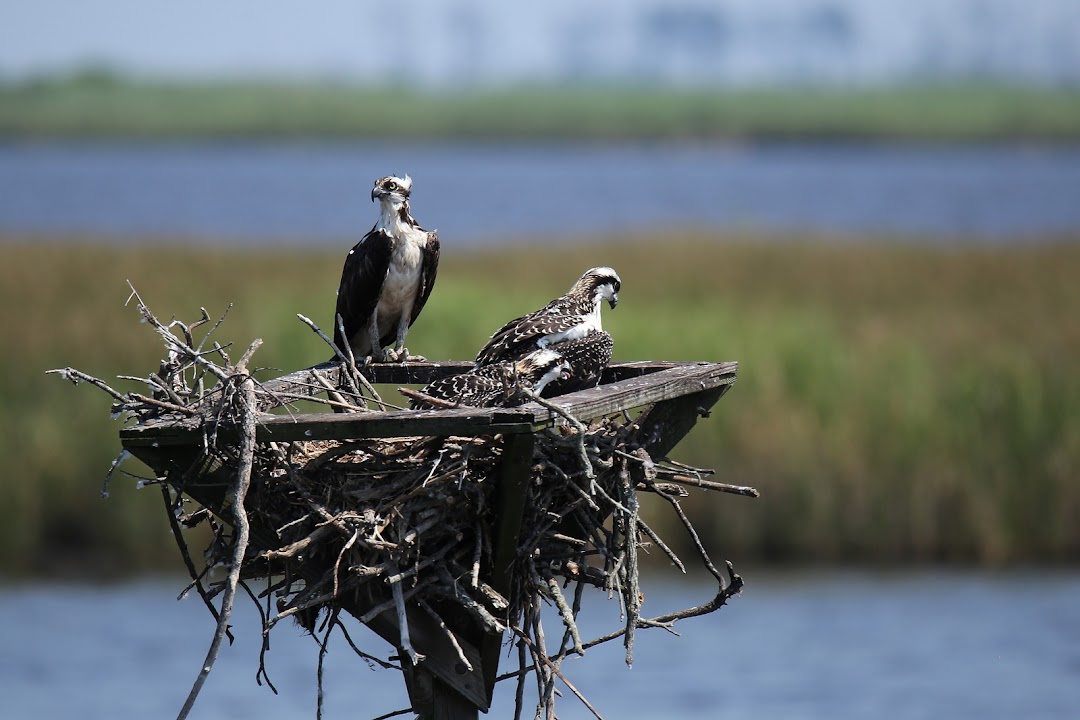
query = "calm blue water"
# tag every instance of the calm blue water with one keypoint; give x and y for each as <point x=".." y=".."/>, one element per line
<point x="317" y="193"/>
<point x="809" y="645"/>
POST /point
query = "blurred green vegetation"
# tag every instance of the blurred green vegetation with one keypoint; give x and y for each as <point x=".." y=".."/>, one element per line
<point x="99" y="104"/>
<point x="894" y="404"/>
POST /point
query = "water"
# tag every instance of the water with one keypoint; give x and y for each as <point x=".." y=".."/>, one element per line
<point x="257" y="194"/>
<point x="807" y="645"/>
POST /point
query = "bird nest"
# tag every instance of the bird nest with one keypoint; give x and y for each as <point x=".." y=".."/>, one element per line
<point x="407" y="529"/>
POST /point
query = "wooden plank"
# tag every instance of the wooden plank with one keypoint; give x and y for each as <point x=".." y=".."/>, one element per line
<point x="330" y="426"/>
<point x="440" y="657"/>
<point x="377" y="373"/>
<point x="423" y="373"/>
<point x="334" y="426"/>
<point x="432" y="699"/>
<point x="666" y="423"/>
<point x="300" y="383"/>
<point x="451" y="706"/>
<point x="514" y="472"/>
<point x="635" y="392"/>
<point x="644" y="389"/>
<point x="626" y="370"/>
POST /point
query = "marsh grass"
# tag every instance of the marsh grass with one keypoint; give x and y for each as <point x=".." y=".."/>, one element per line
<point x="101" y="105"/>
<point x="894" y="404"/>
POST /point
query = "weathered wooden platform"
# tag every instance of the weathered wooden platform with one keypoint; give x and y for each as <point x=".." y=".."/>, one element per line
<point x="674" y="396"/>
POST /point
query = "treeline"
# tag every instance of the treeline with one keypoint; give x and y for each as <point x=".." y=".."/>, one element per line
<point x="99" y="104"/>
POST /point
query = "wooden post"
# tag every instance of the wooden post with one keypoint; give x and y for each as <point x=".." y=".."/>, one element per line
<point x="510" y="506"/>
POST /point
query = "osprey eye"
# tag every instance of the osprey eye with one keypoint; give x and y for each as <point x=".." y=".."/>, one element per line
<point x="391" y="186"/>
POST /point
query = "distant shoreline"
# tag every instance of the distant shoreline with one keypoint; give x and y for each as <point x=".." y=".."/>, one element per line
<point x="100" y="105"/>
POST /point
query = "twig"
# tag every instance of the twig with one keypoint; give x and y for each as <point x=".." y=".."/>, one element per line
<point x="582" y="431"/>
<point x="450" y="635"/>
<point x="422" y="397"/>
<point x="558" y="673"/>
<point x="395" y="713"/>
<point x="632" y="594"/>
<point x="174" y="343"/>
<point x="206" y="318"/>
<point x="337" y="351"/>
<point x="365" y="656"/>
<point x="519" y="693"/>
<point x="337" y="564"/>
<point x="261" y="673"/>
<point x="403" y="624"/>
<point x="124" y="455"/>
<point x="743" y="490"/>
<point x="352" y="364"/>
<point x="567" y="614"/>
<point x="172" y="407"/>
<point x="178" y="536"/>
<point x="75" y="376"/>
<point x="247" y="409"/>
<point x="693" y="536"/>
<point x="319" y="670"/>
<point x="661" y="544"/>
<point x="733" y="588"/>
<point x="335" y="398"/>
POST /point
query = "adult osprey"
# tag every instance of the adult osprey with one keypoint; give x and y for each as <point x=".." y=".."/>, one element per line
<point x="387" y="277"/>
<point x="570" y="317"/>
<point x="500" y="384"/>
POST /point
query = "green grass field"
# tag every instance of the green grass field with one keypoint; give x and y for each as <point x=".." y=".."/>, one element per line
<point x="98" y="105"/>
<point x="894" y="404"/>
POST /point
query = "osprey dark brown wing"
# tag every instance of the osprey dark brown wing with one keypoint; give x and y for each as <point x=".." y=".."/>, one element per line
<point x="523" y="335"/>
<point x="362" y="279"/>
<point x="427" y="276"/>
<point x="566" y="318"/>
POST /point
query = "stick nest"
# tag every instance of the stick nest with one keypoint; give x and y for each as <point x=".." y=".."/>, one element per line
<point x="409" y="524"/>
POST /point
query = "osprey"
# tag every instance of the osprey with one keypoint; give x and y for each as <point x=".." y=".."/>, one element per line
<point x="387" y="277"/>
<point x="586" y="357"/>
<point x="570" y="317"/>
<point x="500" y="384"/>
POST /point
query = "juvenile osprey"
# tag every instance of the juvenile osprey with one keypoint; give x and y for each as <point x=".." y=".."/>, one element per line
<point x="387" y="277"/>
<point x="570" y="317"/>
<point x="500" y="384"/>
<point x="586" y="357"/>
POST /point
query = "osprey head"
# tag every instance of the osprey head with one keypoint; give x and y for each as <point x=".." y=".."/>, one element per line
<point x="600" y="283"/>
<point x="392" y="190"/>
<point x="541" y="367"/>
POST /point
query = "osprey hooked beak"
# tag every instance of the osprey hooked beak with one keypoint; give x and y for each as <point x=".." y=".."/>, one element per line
<point x="611" y="294"/>
<point x="389" y="186"/>
<point x="607" y="285"/>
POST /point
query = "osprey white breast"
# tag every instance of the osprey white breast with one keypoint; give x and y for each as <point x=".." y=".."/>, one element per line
<point x="387" y="277"/>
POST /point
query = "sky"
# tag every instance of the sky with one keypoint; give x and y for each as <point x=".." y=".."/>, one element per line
<point x="439" y="43"/>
